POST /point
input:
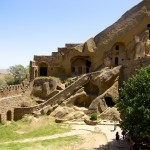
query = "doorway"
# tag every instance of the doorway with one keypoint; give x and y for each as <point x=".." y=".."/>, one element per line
<point x="9" y="115"/>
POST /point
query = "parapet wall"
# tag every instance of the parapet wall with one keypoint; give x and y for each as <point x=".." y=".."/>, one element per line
<point x="11" y="90"/>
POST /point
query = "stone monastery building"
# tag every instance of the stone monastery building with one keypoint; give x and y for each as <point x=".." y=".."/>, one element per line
<point x="104" y="62"/>
<point x="126" y="40"/>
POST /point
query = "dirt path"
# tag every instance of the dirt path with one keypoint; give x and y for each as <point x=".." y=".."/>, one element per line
<point x="98" y="137"/>
<point x="92" y="138"/>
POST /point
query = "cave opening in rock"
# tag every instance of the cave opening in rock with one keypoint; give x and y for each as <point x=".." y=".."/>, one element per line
<point x="109" y="101"/>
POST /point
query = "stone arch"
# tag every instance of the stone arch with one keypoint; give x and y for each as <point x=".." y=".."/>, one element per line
<point x="80" y="65"/>
<point x="109" y="101"/>
<point x="43" y="69"/>
<point x="9" y="115"/>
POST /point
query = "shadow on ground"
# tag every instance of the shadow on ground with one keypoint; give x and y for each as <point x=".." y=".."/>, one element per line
<point x="114" y="145"/>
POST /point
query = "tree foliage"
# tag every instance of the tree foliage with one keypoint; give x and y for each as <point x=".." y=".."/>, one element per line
<point x="134" y="105"/>
<point x="16" y="74"/>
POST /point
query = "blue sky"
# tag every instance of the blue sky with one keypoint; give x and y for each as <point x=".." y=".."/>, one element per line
<point x="39" y="27"/>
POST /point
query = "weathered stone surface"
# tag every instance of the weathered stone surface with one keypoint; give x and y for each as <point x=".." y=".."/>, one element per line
<point x="46" y="110"/>
<point x="91" y="122"/>
<point x="46" y="87"/>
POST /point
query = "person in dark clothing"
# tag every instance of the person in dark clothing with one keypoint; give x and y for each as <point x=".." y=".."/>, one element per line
<point x="117" y="137"/>
<point x="123" y="134"/>
<point x="135" y="146"/>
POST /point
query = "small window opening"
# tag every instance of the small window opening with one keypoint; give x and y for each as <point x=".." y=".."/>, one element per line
<point x="117" y="47"/>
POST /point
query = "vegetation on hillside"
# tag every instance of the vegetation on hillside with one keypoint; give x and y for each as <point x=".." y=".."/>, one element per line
<point x="16" y="74"/>
<point x="134" y="105"/>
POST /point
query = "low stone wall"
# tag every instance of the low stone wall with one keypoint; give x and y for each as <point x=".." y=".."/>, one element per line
<point x="7" y="106"/>
<point x="11" y="90"/>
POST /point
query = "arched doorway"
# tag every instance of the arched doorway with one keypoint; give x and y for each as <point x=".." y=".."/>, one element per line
<point x="88" y="65"/>
<point x="36" y="73"/>
<point x="80" y="64"/>
<point x="116" y="61"/>
<point x="43" y="69"/>
<point x="9" y="117"/>
<point x="109" y="101"/>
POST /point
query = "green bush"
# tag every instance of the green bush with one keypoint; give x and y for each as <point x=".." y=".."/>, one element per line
<point x="93" y="116"/>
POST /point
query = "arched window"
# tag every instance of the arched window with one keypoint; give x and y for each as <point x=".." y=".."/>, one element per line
<point x="117" y="47"/>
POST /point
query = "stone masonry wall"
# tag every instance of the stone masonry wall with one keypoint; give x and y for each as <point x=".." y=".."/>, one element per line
<point x="8" y="104"/>
<point x="13" y="90"/>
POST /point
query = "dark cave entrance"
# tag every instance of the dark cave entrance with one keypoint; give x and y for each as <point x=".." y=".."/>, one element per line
<point x="109" y="101"/>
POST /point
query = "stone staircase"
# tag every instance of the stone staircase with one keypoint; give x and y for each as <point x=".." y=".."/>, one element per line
<point x="57" y="99"/>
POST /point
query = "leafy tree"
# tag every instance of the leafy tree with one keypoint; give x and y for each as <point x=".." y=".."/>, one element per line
<point x="16" y="74"/>
<point x="135" y="105"/>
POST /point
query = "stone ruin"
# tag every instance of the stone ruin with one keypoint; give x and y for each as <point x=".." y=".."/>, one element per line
<point x="96" y="68"/>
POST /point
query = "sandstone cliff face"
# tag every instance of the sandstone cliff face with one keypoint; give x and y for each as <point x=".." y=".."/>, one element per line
<point x="132" y="23"/>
